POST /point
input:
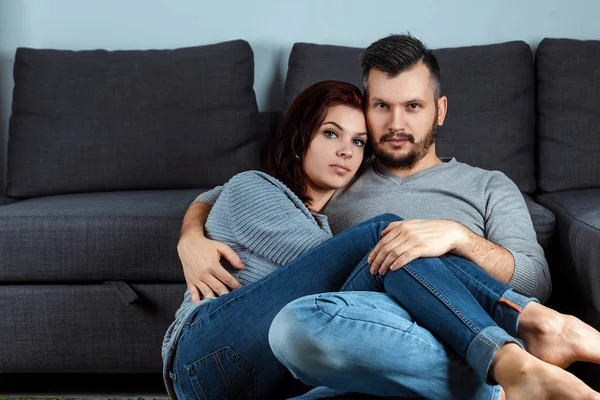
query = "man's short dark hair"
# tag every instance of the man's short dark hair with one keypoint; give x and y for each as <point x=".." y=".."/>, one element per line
<point x="395" y="54"/>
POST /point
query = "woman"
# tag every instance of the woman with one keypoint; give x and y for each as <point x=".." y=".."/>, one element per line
<point x="219" y="348"/>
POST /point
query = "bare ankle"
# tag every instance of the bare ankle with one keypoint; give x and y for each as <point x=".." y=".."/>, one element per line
<point x="510" y="364"/>
<point x="537" y="319"/>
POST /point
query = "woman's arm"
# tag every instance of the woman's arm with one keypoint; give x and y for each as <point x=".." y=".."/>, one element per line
<point x="269" y="220"/>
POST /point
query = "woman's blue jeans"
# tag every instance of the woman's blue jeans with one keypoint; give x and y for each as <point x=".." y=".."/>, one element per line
<point x="224" y="350"/>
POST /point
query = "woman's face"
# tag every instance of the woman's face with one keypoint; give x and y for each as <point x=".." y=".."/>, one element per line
<point x="336" y="149"/>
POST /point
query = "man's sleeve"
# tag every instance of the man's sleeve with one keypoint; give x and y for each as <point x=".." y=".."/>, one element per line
<point x="210" y="196"/>
<point x="266" y="220"/>
<point x="508" y="224"/>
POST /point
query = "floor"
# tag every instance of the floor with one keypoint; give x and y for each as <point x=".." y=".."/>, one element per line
<point x="82" y="386"/>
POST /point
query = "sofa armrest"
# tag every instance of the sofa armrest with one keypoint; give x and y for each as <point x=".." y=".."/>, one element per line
<point x="578" y="219"/>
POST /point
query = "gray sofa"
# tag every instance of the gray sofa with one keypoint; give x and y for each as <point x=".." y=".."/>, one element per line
<point x="107" y="149"/>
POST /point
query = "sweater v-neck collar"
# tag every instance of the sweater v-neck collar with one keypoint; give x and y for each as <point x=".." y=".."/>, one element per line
<point x="382" y="171"/>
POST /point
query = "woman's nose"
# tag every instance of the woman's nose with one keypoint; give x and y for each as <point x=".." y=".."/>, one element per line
<point x="344" y="152"/>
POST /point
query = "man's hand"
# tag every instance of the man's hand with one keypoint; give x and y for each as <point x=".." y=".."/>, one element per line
<point x="203" y="271"/>
<point x="405" y="241"/>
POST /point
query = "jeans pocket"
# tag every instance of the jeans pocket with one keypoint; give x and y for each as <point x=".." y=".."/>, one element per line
<point x="223" y="374"/>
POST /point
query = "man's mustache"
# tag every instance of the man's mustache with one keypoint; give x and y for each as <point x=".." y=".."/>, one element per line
<point x="397" y="136"/>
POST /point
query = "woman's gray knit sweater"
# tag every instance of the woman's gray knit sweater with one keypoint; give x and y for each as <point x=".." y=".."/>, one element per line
<point x="266" y="224"/>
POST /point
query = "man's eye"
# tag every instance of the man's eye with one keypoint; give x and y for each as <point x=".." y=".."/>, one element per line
<point x="330" y="134"/>
<point x="414" y="106"/>
<point x="381" y="105"/>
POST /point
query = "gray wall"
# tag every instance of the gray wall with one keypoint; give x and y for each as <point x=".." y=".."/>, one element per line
<point x="272" y="26"/>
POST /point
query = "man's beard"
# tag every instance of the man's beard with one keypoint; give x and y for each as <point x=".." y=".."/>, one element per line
<point x="409" y="160"/>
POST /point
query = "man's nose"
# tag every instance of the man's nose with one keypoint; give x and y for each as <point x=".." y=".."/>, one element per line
<point x="398" y="120"/>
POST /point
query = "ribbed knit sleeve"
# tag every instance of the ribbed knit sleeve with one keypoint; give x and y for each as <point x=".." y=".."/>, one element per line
<point x="508" y="224"/>
<point x="210" y="196"/>
<point x="270" y="220"/>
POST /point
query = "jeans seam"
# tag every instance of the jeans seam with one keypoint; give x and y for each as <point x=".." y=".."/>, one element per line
<point x="482" y="340"/>
<point x="180" y="380"/>
<point x="487" y="341"/>
<point x="511" y="304"/>
<point x="352" y="275"/>
<point x="482" y="285"/>
<point x="444" y="299"/>
<point x="224" y="376"/>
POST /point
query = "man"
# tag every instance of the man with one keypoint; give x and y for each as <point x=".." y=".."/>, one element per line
<point x="449" y="207"/>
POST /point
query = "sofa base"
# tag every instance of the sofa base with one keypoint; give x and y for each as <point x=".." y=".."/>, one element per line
<point x="109" y="327"/>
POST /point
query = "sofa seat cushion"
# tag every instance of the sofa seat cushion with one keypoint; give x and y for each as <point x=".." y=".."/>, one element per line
<point x="85" y="328"/>
<point x="544" y="222"/>
<point x="491" y="100"/>
<point x="578" y="218"/>
<point x="95" y="120"/>
<point x="94" y="236"/>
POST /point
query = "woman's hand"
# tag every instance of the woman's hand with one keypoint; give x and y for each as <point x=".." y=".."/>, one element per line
<point x="203" y="271"/>
<point x="405" y="241"/>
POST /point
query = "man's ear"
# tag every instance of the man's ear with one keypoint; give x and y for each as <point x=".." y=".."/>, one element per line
<point x="442" y="108"/>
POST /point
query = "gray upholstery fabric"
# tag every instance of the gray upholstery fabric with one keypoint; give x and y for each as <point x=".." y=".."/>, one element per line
<point x="490" y="90"/>
<point x="544" y="222"/>
<point x="267" y="124"/>
<point x="6" y="200"/>
<point x="578" y="217"/>
<point x="84" y="328"/>
<point x="120" y="120"/>
<point x="568" y="112"/>
<point x="310" y="63"/>
<point x="94" y="236"/>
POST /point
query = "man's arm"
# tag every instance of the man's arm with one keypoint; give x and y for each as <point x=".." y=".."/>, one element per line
<point x="405" y="241"/>
<point x="195" y="218"/>
<point x="510" y="252"/>
<point x="508" y="224"/>
<point x="200" y="257"/>
<point x="493" y="259"/>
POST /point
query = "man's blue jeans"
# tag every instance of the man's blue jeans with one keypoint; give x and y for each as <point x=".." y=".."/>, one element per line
<point x="224" y="350"/>
<point x="347" y="340"/>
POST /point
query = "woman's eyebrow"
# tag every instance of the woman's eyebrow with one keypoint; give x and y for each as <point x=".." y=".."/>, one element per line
<point x="342" y="129"/>
<point x="333" y="123"/>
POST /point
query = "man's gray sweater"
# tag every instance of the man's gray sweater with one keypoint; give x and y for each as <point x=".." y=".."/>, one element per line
<point x="486" y="202"/>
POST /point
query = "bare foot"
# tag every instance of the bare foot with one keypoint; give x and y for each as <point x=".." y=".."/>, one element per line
<point x="557" y="338"/>
<point x="549" y="382"/>
<point x="523" y="376"/>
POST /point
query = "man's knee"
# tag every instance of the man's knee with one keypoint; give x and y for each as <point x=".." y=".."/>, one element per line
<point x="298" y="340"/>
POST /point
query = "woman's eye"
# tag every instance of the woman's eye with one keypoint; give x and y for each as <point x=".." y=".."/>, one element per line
<point x="330" y="134"/>
<point x="359" y="142"/>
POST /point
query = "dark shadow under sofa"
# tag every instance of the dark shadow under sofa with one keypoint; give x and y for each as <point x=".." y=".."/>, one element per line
<point x="107" y="149"/>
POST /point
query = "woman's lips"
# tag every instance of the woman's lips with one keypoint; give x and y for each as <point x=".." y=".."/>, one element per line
<point x="340" y="169"/>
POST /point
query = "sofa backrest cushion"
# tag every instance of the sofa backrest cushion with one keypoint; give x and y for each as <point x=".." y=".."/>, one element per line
<point x="490" y="90"/>
<point x="568" y="114"/>
<point x="99" y="120"/>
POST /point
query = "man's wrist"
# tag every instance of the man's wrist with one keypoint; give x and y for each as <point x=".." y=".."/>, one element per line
<point x="462" y="240"/>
